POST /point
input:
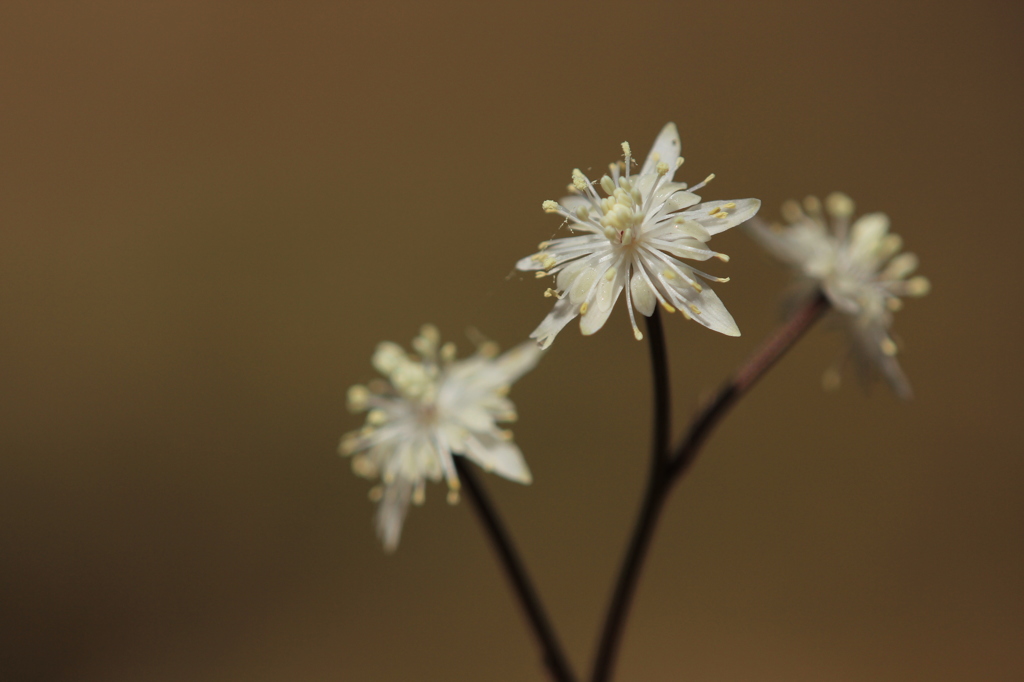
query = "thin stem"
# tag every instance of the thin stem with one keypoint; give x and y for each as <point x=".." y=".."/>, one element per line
<point x="554" y="658"/>
<point x="662" y="478"/>
<point x="744" y="379"/>
<point x="650" y="509"/>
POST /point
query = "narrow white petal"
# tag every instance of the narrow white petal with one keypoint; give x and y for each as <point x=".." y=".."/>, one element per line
<point x="713" y="313"/>
<point x="666" y="148"/>
<point x="391" y="512"/>
<point x="563" y="312"/>
<point x="601" y="304"/>
<point x="717" y="216"/>
<point x="517" y="361"/>
<point x="498" y="456"/>
<point x="866" y="234"/>
<point x="644" y="299"/>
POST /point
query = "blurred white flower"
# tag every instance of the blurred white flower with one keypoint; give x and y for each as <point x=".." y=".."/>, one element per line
<point x="858" y="269"/>
<point x="632" y="240"/>
<point x="433" y="407"/>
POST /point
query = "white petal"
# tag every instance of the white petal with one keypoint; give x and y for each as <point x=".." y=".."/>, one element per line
<point x="713" y="314"/>
<point x="391" y="512"/>
<point x="669" y="198"/>
<point x="517" y="361"/>
<point x="666" y="148"/>
<point x="866" y="235"/>
<point x="706" y="213"/>
<point x="795" y="245"/>
<point x="563" y="312"/>
<point x="498" y="456"/>
<point x="569" y="274"/>
<point x="900" y="266"/>
<point x="575" y="201"/>
<point x="601" y="303"/>
<point x="580" y="289"/>
<point x="529" y="263"/>
<point x="644" y="299"/>
<point x="686" y="247"/>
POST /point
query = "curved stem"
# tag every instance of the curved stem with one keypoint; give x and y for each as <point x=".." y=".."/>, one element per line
<point x="663" y="477"/>
<point x="744" y="379"/>
<point x="650" y="509"/>
<point x="554" y="658"/>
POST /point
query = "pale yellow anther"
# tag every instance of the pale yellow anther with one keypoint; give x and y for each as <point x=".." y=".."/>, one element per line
<point x="376" y="492"/>
<point x="662" y="168"/>
<point x="419" y="495"/>
<point x="637" y="335"/>
<point x="358" y="396"/>
<point x="668" y="309"/>
<point x="839" y="205"/>
<point x="363" y="467"/>
<point x="812" y="205"/>
<point x="696" y="285"/>
<point x="540" y="274"/>
<point x="608" y="185"/>
<point x="505" y="434"/>
<point x="791" y="211"/>
<point x="894" y="304"/>
<point x="610" y="274"/>
<point x="679" y="162"/>
<point x="686" y="314"/>
<point x="709" y="178"/>
<point x="888" y="346"/>
<point x="489" y="349"/>
<point x="542" y="246"/>
<point x="448" y="352"/>
<point x="376" y="417"/>
<point x="720" y="215"/>
<point x="918" y="286"/>
<point x="550" y="206"/>
<point x="668" y="274"/>
<point x="722" y="257"/>
<point x="453" y="497"/>
<point x="695" y="309"/>
<point x="579" y="180"/>
<point x="584" y="308"/>
<point x="731" y="204"/>
<point x="611" y="232"/>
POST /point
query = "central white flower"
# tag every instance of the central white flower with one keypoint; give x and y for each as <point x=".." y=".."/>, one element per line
<point x="633" y="239"/>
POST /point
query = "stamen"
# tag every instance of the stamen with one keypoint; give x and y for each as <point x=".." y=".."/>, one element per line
<point x="376" y="492"/>
<point x="584" y="308"/>
<point x="453" y="497"/>
<point x="550" y="206"/>
<point x="695" y="309"/>
<point x="629" y="308"/>
<point x="888" y="346"/>
<point x="358" y="397"/>
<point x="668" y="308"/>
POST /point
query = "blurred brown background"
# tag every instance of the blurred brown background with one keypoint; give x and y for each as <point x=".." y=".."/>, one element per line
<point x="211" y="213"/>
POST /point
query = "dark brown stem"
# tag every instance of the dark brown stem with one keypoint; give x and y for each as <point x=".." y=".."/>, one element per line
<point x="554" y="658"/>
<point x="663" y="477"/>
<point x="650" y="509"/>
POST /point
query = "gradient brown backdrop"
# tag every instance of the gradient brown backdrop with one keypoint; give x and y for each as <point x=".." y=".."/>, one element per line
<point x="211" y="213"/>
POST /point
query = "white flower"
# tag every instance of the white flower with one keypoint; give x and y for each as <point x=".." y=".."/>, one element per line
<point x="431" y="408"/>
<point x="633" y="239"/>
<point x="857" y="267"/>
